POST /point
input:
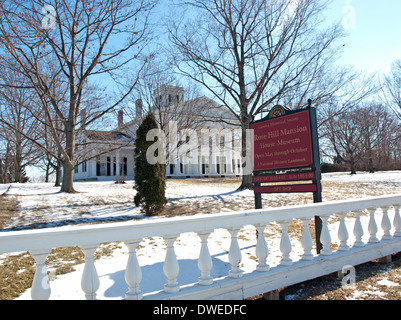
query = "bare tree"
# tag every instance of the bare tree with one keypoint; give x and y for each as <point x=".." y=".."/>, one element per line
<point x="17" y="123"/>
<point x="251" y="54"/>
<point x="91" y="42"/>
<point x="392" y="88"/>
<point x="364" y="137"/>
<point x="345" y="136"/>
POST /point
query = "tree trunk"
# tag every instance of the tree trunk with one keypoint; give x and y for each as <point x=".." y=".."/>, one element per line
<point x="68" y="163"/>
<point x="352" y="163"/>
<point x="58" y="174"/>
<point x="371" y="168"/>
<point x="68" y="177"/>
<point x="47" y="173"/>
<point x="246" y="157"/>
<point x="17" y="162"/>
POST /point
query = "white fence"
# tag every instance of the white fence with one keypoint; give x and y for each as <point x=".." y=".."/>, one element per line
<point x="237" y="284"/>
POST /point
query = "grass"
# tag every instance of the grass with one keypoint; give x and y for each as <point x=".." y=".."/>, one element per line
<point x="8" y="209"/>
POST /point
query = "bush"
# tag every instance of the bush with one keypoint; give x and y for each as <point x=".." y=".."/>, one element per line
<point x="150" y="180"/>
<point x="330" y="167"/>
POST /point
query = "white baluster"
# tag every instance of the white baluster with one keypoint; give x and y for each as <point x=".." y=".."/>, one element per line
<point x="306" y="240"/>
<point x="133" y="273"/>
<point x="205" y="263"/>
<point x="386" y="224"/>
<point x="235" y="256"/>
<point x="397" y="221"/>
<point x="262" y="251"/>
<point x="90" y="280"/>
<point x="40" y="285"/>
<point x="171" y="267"/>
<point x="325" y="237"/>
<point x="285" y="244"/>
<point x="343" y="232"/>
<point x="358" y="230"/>
<point x="372" y="227"/>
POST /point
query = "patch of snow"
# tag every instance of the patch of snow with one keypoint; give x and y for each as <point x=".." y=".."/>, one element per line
<point x="387" y="283"/>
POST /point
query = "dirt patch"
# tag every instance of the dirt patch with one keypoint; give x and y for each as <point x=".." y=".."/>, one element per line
<point x="8" y="209"/>
<point x="374" y="281"/>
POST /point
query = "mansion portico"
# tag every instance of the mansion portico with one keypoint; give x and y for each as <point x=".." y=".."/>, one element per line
<point x="215" y="132"/>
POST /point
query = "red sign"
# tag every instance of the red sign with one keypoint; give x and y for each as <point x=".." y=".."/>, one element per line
<point x="283" y="142"/>
<point x="287" y="189"/>
<point x="285" y="177"/>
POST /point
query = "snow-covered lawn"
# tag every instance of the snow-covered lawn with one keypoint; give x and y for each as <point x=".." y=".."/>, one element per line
<point x="41" y="205"/>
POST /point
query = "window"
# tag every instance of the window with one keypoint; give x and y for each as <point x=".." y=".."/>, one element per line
<point x="98" y="166"/>
<point x="125" y="169"/>
<point x="84" y="166"/>
<point x="108" y="166"/>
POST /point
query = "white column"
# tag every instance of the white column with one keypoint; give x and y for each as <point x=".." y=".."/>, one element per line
<point x="285" y="244"/>
<point x="171" y="267"/>
<point x="133" y="273"/>
<point x="325" y="237"/>
<point x="386" y="224"/>
<point x="177" y="168"/>
<point x="372" y="227"/>
<point x="343" y="232"/>
<point x="213" y="155"/>
<point x="195" y="161"/>
<point x="262" y="251"/>
<point x="204" y="148"/>
<point x="306" y="240"/>
<point x="40" y="285"/>
<point x="358" y="230"/>
<point x="118" y="167"/>
<point x="234" y="255"/>
<point x="177" y="156"/>
<point x="177" y="164"/>
<point x="205" y="263"/>
<point x="90" y="279"/>
<point x="397" y="221"/>
<point x="228" y="146"/>
<point x="167" y="170"/>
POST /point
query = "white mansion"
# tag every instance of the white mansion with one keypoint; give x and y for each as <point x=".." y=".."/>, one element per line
<point x="214" y="129"/>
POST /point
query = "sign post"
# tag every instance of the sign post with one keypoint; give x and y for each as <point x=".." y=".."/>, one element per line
<point x="286" y="156"/>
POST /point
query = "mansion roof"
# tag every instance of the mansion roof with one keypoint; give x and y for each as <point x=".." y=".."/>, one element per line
<point x="111" y="136"/>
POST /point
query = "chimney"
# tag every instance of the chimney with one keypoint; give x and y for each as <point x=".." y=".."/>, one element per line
<point x="138" y="108"/>
<point x="83" y="119"/>
<point x="120" y="118"/>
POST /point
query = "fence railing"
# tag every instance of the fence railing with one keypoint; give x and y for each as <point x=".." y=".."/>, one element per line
<point x="237" y="284"/>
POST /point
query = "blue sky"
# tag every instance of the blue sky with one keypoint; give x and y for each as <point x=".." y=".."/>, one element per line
<point x="374" y="37"/>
